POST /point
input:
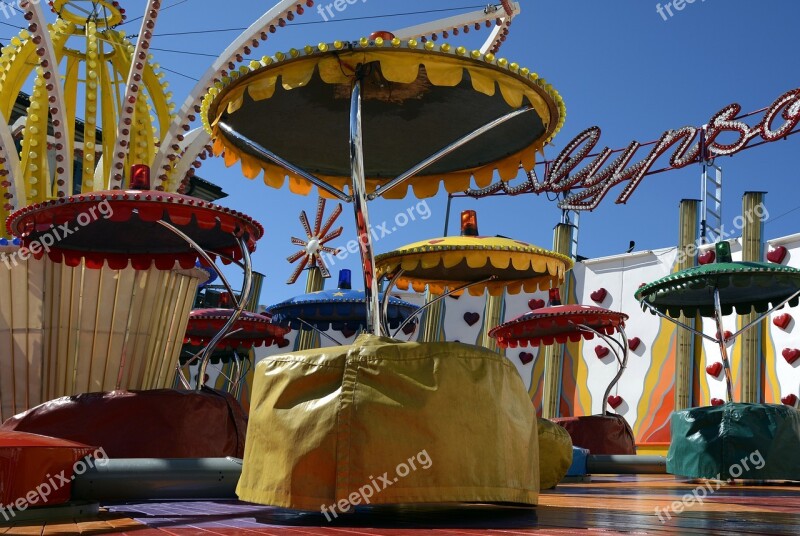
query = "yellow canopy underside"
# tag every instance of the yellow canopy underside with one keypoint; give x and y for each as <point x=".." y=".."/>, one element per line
<point x="517" y="266"/>
<point x="399" y="66"/>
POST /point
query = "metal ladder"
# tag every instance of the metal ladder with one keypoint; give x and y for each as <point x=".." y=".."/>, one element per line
<point x="711" y="196"/>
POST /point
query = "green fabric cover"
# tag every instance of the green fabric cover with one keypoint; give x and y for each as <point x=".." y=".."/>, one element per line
<point x="743" y="285"/>
<point x="761" y="440"/>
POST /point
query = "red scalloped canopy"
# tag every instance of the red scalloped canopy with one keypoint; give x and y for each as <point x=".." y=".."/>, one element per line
<point x="120" y="227"/>
<point x="253" y="329"/>
<point x="558" y="323"/>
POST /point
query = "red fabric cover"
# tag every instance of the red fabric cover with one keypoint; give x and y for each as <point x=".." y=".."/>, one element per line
<point x="251" y="329"/>
<point x="163" y="423"/>
<point x="601" y="434"/>
<point x="30" y="463"/>
<point x="124" y="234"/>
<point x="557" y="323"/>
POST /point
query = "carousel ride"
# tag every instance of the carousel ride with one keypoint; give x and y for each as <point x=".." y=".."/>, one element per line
<point x="320" y="419"/>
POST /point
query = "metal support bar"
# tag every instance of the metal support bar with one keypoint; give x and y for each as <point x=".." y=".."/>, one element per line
<point x="373" y="311"/>
<point x="249" y="145"/>
<point x="246" y="286"/>
<point x="145" y="479"/>
<point x="440" y="298"/>
<point x="679" y="323"/>
<point x="446" y="151"/>
<point x="385" y="303"/>
<point x="206" y="257"/>
<point x="623" y="361"/>
<point x="722" y="346"/>
<point x="240" y="303"/>
<point x="625" y="464"/>
<point x="763" y="316"/>
<point x="315" y="328"/>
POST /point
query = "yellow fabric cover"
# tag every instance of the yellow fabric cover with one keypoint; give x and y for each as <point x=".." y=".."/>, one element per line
<point x="555" y="453"/>
<point x="326" y="422"/>
<point x="453" y="261"/>
<point x="399" y="63"/>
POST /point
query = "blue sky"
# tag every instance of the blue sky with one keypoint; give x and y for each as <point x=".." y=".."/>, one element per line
<point x="618" y="64"/>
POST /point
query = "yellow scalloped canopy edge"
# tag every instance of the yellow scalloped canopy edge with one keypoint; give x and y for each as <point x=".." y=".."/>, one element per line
<point x="400" y="64"/>
<point x="517" y="266"/>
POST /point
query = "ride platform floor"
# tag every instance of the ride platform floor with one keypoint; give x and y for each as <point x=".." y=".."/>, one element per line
<point x="607" y="505"/>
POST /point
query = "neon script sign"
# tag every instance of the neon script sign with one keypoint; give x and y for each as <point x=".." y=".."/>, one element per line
<point x="584" y="188"/>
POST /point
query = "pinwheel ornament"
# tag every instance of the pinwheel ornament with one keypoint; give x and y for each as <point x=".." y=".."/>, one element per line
<point x="314" y="245"/>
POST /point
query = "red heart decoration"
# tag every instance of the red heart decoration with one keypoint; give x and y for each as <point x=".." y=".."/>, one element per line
<point x="615" y="401"/>
<point x="347" y="333"/>
<point x="782" y="321"/>
<point x="714" y="369"/>
<point x="777" y="255"/>
<point x="535" y="304"/>
<point x="526" y="357"/>
<point x="717" y="402"/>
<point x="471" y="318"/>
<point x="790" y="400"/>
<point x="283" y="343"/>
<point x="707" y="258"/>
<point x="409" y="328"/>
<point x="599" y="295"/>
<point x="727" y="335"/>
<point x="791" y="355"/>
<point x="634" y="343"/>
<point x="601" y="351"/>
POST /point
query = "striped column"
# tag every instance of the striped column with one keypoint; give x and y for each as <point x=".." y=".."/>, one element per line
<point x="554" y="354"/>
<point x="752" y="388"/>
<point x="685" y="340"/>
<point x="308" y="339"/>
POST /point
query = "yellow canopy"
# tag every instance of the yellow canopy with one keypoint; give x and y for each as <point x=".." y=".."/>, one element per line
<point x="422" y="97"/>
<point x="454" y="261"/>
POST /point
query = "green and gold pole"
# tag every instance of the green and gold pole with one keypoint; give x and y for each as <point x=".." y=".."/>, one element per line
<point x="554" y="354"/>
<point x="308" y="339"/>
<point x="432" y="320"/>
<point x="752" y="250"/>
<point x="255" y="295"/>
<point x="686" y="340"/>
<point x="492" y="317"/>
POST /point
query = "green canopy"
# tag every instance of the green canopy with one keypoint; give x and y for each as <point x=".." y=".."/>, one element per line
<point x="743" y="286"/>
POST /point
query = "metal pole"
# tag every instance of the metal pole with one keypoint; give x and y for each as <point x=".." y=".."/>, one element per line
<point x="387" y="294"/>
<point x="722" y="348"/>
<point x="373" y="311"/>
<point x="252" y="147"/>
<point x="439" y="298"/>
<point x="246" y="286"/>
<point x="448" y="150"/>
<point x="158" y="479"/>
<point x="447" y="214"/>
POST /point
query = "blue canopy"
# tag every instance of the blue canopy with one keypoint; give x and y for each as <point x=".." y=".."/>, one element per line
<point x="335" y="309"/>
